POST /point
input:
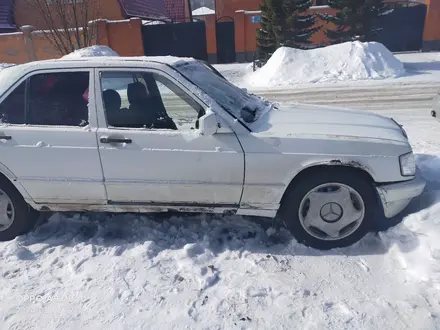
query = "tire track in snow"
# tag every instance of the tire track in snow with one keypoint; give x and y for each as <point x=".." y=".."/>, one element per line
<point x="408" y="97"/>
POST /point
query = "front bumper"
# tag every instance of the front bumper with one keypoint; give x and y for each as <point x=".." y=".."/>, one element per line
<point x="395" y="197"/>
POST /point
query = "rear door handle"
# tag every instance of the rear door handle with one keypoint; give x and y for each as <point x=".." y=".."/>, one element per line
<point x="114" y="140"/>
<point x="5" y="137"/>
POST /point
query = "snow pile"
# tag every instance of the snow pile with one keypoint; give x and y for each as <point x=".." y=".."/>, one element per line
<point x="347" y="61"/>
<point x="91" y="51"/>
<point x="203" y="11"/>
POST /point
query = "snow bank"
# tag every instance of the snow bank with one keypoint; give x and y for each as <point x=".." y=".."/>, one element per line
<point x="347" y="61"/>
<point x="203" y="11"/>
<point x="91" y="51"/>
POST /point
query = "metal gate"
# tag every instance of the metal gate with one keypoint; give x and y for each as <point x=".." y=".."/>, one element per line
<point x="402" y="29"/>
<point x="225" y="34"/>
<point x="179" y="39"/>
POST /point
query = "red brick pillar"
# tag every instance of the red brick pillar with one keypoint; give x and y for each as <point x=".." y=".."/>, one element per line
<point x="99" y="28"/>
<point x="211" y="37"/>
<point x="240" y="36"/>
<point x="28" y="42"/>
<point x="431" y="33"/>
<point x="136" y="33"/>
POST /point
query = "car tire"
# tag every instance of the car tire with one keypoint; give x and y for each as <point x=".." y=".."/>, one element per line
<point x="17" y="215"/>
<point x="327" y="193"/>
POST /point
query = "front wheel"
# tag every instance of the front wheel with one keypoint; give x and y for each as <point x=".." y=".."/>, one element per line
<point x="330" y="208"/>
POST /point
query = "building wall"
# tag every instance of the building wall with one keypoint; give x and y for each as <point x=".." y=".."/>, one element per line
<point x="125" y="37"/>
<point x="26" y="15"/>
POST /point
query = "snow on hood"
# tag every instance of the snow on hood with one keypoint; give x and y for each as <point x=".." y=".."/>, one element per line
<point x="342" y="62"/>
<point x="91" y="51"/>
<point x="306" y="120"/>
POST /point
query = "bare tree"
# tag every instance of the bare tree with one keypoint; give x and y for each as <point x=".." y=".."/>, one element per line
<point x="67" y="22"/>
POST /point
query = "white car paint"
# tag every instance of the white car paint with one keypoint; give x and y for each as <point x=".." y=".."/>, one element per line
<point x="242" y="168"/>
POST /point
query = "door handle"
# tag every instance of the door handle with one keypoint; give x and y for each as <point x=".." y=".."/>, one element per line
<point x="114" y="140"/>
<point x="5" y="137"/>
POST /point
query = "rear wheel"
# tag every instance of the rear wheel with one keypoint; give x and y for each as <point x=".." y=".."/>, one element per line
<point x="329" y="208"/>
<point x="16" y="216"/>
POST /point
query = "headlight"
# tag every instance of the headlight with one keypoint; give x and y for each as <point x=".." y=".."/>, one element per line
<point x="407" y="164"/>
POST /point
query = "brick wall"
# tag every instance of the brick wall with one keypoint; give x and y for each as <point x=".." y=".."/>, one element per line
<point x="229" y="7"/>
<point x="124" y="36"/>
<point x="25" y="15"/>
<point x="12" y="48"/>
<point x="246" y="32"/>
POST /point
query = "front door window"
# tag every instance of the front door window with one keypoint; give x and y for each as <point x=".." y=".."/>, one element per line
<point x="147" y="100"/>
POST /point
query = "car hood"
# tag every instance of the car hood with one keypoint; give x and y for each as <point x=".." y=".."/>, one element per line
<point x="304" y="119"/>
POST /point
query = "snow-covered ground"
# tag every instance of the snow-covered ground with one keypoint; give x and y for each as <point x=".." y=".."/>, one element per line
<point x="207" y="272"/>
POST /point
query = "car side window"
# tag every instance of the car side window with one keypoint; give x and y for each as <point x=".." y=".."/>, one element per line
<point x="58" y="99"/>
<point x="147" y="100"/>
<point x="12" y="109"/>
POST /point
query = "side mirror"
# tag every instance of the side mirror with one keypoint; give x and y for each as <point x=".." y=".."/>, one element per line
<point x="208" y="124"/>
<point x="248" y="114"/>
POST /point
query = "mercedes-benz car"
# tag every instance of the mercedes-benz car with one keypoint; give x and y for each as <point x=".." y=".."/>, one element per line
<point x="152" y="134"/>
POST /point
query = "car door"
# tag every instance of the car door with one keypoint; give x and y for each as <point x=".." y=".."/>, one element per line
<point x="49" y="143"/>
<point x="169" y="163"/>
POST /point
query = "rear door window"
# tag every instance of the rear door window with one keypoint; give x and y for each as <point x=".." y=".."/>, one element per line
<point x="58" y="99"/>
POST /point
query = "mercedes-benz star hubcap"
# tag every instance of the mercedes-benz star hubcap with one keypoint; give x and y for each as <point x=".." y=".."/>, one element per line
<point x="331" y="211"/>
<point x="7" y="211"/>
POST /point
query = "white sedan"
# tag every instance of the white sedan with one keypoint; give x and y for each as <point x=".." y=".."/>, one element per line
<point x="163" y="133"/>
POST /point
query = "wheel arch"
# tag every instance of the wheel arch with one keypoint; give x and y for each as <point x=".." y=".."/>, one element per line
<point x="328" y="165"/>
<point x="7" y="175"/>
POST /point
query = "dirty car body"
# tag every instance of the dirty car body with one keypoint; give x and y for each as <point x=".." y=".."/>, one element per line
<point x="210" y="147"/>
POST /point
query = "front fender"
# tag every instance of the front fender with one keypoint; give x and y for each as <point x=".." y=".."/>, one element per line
<point x="336" y="161"/>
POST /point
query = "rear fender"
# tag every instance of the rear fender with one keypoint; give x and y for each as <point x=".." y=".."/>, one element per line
<point x="6" y="172"/>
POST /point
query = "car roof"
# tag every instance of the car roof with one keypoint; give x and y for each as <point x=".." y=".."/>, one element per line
<point x="107" y="61"/>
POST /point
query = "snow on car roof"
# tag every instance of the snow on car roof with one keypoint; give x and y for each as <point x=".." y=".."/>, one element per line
<point x="112" y="59"/>
<point x="102" y="60"/>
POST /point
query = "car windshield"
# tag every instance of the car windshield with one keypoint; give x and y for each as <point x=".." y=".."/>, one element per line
<point x="234" y="100"/>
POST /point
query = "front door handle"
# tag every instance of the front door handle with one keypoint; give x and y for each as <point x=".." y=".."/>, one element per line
<point x="5" y="137"/>
<point x="114" y="140"/>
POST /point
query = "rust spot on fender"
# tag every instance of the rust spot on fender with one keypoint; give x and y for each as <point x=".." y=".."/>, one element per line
<point x="350" y="163"/>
